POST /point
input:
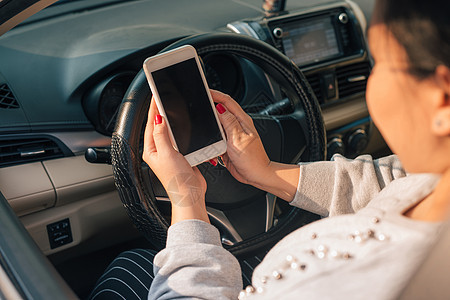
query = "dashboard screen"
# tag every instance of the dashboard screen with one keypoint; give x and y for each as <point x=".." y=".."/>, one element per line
<point x="310" y="41"/>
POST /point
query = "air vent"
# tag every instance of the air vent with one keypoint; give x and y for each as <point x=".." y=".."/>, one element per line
<point x="24" y="150"/>
<point x="314" y="82"/>
<point x="345" y="35"/>
<point x="352" y="79"/>
<point x="7" y="99"/>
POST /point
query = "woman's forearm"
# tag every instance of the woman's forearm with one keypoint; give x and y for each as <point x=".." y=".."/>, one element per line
<point x="281" y="180"/>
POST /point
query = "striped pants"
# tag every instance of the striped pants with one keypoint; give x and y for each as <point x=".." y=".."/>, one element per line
<point x="130" y="275"/>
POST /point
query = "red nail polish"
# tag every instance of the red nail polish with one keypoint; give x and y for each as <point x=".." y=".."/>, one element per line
<point x="213" y="162"/>
<point x="220" y="108"/>
<point x="158" y="119"/>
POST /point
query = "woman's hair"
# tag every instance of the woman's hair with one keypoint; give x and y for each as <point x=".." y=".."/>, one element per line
<point x="422" y="27"/>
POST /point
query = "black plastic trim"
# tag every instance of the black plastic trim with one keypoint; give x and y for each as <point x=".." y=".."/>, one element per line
<point x="64" y="151"/>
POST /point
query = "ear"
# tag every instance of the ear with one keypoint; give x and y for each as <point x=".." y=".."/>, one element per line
<point x="442" y="75"/>
<point x="441" y="120"/>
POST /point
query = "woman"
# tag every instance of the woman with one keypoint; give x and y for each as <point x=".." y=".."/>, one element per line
<point x="382" y="221"/>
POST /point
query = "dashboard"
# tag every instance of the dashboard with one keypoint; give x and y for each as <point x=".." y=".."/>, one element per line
<point x="326" y="42"/>
<point x="64" y="72"/>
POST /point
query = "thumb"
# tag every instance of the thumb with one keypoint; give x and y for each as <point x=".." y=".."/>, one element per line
<point x="229" y="121"/>
<point x="161" y="135"/>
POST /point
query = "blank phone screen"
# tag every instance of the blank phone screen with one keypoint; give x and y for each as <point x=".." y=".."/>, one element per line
<point x="187" y="106"/>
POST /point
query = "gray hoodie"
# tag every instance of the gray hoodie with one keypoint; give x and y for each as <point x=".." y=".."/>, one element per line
<point x="364" y="249"/>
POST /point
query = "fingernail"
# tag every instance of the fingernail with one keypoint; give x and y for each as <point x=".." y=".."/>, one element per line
<point x="213" y="162"/>
<point x="158" y="119"/>
<point x="220" y="108"/>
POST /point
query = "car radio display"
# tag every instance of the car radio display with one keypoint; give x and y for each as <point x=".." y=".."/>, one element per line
<point x="310" y="41"/>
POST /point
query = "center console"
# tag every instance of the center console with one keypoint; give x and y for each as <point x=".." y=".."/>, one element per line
<point x="327" y="43"/>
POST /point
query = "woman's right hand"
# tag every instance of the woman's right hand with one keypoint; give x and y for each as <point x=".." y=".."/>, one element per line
<point x="245" y="158"/>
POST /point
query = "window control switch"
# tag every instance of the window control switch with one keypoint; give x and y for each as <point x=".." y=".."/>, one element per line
<point x="59" y="233"/>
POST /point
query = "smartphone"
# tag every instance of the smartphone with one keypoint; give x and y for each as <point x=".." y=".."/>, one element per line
<point x="182" y="96"/>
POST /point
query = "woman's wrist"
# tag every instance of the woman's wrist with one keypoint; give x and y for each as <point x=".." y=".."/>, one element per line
<point x="280" y="180"/>
<point x="189" y="213"/>
<point x="192" y="207"/>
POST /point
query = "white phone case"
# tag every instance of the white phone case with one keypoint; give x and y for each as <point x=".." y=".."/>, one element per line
<point x="170" y="58"/>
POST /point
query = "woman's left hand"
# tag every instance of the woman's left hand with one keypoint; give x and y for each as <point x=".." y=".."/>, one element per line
<point x="184" y="184"/>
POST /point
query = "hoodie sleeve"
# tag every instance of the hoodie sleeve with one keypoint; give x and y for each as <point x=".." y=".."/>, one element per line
<point x="343" y="186"/>
<point x="194" y="265"/>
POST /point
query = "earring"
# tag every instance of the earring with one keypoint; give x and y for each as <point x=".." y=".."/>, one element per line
<point x="438" y="123"/>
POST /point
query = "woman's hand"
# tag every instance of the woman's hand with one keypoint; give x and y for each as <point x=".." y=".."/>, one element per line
<point x="246" y="158"/>
<point x="184" y="185"/>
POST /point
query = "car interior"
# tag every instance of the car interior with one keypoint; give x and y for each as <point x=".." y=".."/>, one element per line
<point x="74" y="101"/>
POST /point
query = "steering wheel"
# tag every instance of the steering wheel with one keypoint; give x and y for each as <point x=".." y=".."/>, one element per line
<point x="243" y="214"/>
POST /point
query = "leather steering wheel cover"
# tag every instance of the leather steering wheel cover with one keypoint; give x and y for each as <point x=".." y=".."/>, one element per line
<point x="135" y="194"/>
<point x="135" y="191"/>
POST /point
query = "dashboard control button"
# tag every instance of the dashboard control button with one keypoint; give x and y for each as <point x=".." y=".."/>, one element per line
<point x="343" y="18"/>
<point x="335" y="145"/>
<point x="278" y="32"/>
<point x="358" y="140"/>
<point x="329" y="85"/>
